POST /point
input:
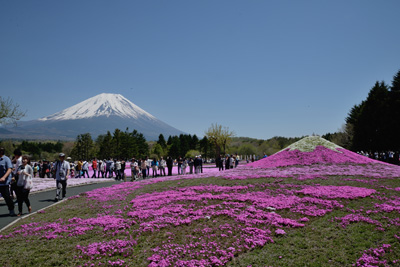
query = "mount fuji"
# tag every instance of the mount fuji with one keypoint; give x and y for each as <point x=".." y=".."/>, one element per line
<point x="96" y="115"/>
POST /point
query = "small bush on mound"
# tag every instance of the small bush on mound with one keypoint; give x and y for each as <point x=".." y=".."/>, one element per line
<point x="322" y="214"/>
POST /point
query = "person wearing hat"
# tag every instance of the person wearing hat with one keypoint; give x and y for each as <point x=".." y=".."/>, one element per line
<point x="62" y="170"/>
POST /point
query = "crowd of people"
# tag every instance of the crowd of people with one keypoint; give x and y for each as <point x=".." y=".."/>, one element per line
<point x="391" y="157"/>
<point x="16" y="174"/>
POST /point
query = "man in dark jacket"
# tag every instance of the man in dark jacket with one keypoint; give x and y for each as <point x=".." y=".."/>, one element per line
<point x="170" y="163"/>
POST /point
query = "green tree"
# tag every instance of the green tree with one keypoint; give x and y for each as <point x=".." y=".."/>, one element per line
<point x="194" y="142"/>
<point x="394" y="113"/>
<point x="207" y="148"/>
<point x="84" y="147"/>
<point x="161" y="141"/>
<point x="371" y="120"/>
<point x="220" y="136"/>
<point x="158" y="150"/>
<point x="103" y="142"/>
<point x="192" y="154"/>
<point x="184" y="144"/>
<point x="247" y="150"/>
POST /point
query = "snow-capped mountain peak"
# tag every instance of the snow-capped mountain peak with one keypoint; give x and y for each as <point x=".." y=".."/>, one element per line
<point x="101" y="105"/>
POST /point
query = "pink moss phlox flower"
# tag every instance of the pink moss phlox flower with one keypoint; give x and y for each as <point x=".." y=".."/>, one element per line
<point x="389" y="206"/>
<point x="107" y="248"/>
<point x="331" y="192"/>
<point x="280" y="232"/>
<point x="320" y="154"/>
<point x="371" y="257"/>
<point x="397" y="236"/>
<point x="354" y="218"/>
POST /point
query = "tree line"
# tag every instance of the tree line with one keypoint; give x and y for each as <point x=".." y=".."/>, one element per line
<point x="126" y="144"/>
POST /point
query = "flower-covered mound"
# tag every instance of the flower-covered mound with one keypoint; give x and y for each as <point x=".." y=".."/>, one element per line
<point x="312" y="150"/>
<point x="329" y="214"/>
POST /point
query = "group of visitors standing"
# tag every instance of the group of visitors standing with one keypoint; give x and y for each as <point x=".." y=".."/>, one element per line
<point x="227" y="162"/>
<point x="392" y="157"/>
<point x="101" y="168"/>
<point x="140" y="168"/>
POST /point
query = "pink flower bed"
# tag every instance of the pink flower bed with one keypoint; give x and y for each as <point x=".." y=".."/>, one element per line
<point x="371" y="257"/>
<point x="226" y="221"/>
<point x="321" y="154"/>
<point x="333" y="192"/>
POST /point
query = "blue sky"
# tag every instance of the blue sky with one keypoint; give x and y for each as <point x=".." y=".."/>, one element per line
<point x="262" y="68"/>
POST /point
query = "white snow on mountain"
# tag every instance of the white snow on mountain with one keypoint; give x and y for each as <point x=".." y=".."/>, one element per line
<point x="101" y="105"/>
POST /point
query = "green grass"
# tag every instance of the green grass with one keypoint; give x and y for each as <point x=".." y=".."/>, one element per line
<point x="322" y="242"/>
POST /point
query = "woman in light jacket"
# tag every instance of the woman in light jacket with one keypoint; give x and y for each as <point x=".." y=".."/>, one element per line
<point x="24" y="171"/>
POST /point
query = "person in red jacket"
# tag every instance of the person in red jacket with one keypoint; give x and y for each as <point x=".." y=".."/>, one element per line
<point x="94" y="166"/>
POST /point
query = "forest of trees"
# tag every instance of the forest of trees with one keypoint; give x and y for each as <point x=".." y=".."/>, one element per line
<point x="125" y="145"/>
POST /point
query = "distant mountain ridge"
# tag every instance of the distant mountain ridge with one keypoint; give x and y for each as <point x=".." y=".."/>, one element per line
<point x="96" y="115"/>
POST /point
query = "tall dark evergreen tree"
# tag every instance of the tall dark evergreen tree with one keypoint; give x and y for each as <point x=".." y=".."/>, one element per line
<point x="371" y="121"/>
<point x="394" y="112"/>
<point x="105" y="146"/>
<point x="194" y="142"/>
<point x="161" y="141"/>
<point x="83" y="148"/>
<point x="174" y="149"/>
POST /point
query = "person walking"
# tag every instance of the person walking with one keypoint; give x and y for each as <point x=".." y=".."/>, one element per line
<point x="62" y="170"/>
<point x="35" y="169"/>
<point x="25" y="173"/>
<point x="85" y="169"/>
<point x="79" y="169"/>
<point x="101" y="168"/>
<point x="94" y="167"/>
<point x="108" y="168"/>
<point x="5" y="180"/>
<point x="16" y="161"/>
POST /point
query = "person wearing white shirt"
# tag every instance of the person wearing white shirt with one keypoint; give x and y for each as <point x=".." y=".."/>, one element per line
<point x="24" y="172"/>
<point x="17" y="161"/>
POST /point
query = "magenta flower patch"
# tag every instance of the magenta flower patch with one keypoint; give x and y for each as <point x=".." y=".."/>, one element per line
<point x="210" y="224"/>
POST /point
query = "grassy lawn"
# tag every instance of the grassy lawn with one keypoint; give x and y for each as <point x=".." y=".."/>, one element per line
<point x="212" y="222"/>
